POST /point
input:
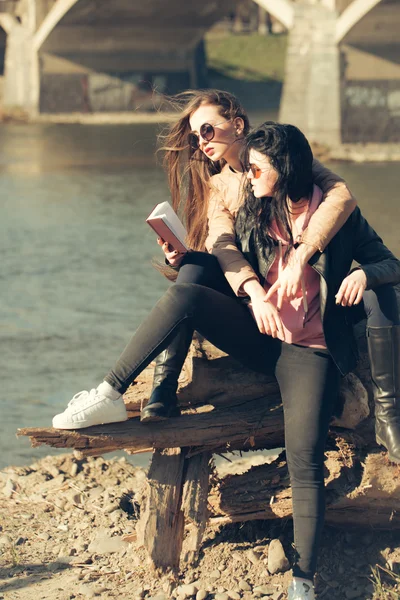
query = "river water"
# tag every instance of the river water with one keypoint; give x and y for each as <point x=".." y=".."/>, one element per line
<point x="76" y="274"/>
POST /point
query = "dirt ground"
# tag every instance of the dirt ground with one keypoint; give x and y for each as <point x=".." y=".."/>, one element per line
<point x="67" y="530"/>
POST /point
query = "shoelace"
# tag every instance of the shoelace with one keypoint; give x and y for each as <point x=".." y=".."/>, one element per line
<point x="83" y="397"/>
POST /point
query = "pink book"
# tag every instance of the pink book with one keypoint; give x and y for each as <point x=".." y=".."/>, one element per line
<point x="166" y="223"/>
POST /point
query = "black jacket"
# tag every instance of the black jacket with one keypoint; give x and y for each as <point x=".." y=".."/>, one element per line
<point x="357" y="241"/>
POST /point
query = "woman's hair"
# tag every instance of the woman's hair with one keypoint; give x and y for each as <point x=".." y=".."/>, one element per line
<point x="291" y="156"/>
<point x="189" y="170"/>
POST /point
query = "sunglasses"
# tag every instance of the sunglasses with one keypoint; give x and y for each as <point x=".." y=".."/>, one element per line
<point x="256" y="171"/>
<point x="207" y="132"/>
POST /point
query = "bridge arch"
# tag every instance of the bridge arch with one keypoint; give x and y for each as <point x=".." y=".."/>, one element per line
<point x="352" y="15"/>
<point x="53" y="17"/>
<point x="282" y="10"/>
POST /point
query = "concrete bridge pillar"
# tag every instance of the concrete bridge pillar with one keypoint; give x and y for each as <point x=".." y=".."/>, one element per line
<point x="311" y="91"/>
<point x="21" y="81"/>
<point x="21" y="68"/>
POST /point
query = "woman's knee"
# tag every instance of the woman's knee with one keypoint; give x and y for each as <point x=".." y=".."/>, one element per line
<point x="200" y="268"/>
<point x="185" y="295"/>
<point x="201" y="259"/>
<point x="305" y="466"/>
<point x="382" y="306"/>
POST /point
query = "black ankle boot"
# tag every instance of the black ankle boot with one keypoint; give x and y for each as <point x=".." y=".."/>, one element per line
<point x="163" y="401"/>
<point x="384" y="353"/>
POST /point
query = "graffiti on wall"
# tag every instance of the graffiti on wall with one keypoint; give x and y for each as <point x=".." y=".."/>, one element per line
<point x="371" y="111"/>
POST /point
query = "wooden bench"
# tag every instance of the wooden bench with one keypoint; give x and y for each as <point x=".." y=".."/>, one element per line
<point x="225" y="408"/>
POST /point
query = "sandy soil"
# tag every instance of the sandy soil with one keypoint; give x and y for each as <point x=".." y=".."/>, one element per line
<point x="67" y="530"/>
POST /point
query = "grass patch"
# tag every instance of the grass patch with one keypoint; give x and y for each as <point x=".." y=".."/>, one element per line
<point x="249" y="57"/>
<point x="386" y="584"/>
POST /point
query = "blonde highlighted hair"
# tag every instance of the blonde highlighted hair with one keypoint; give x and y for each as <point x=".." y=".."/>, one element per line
<point x="189" y="170"/>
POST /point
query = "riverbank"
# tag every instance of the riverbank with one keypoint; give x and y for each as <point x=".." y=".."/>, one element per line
<point x="68" y="530"/>
<point x="99" y="118"/>
<point x="366" y="153"/>
<point x="357" y="153"/>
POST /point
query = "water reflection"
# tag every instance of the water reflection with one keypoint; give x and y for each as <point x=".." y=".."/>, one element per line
<point x="38" y="148"/>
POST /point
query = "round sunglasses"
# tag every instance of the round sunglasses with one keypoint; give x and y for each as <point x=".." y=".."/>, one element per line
<point x="207" y="132"/>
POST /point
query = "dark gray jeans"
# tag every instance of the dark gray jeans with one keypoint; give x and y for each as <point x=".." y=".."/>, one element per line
<point x="308" y="380"/>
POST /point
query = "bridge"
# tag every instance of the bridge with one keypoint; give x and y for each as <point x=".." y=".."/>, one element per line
<point x="342" y="81"/>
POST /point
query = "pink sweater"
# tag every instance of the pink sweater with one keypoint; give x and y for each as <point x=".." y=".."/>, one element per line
<point x="301" y="317"/>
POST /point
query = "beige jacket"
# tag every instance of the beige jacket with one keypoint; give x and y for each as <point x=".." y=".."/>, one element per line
<point x="225" y="197"/>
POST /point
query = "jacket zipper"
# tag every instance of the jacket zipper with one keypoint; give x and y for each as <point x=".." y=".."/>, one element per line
<point x="326" y="284"/>
<point x="305" y="303"/>
<point x="323" y="313"/>
<point x="271" y="262"/>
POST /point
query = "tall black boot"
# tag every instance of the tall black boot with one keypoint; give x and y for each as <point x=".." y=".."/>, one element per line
<point x="163" y="401"/>
<point x="384" y="354"/>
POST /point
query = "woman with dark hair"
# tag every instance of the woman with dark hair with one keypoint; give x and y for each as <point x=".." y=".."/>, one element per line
<point x="313" y="331"/>
<point x="205" y="171"/>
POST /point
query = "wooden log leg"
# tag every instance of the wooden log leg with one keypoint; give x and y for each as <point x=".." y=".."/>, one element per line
<point x="360" y="491"/>
<point x="161" y="525"/>
<point x="195" y="504"/>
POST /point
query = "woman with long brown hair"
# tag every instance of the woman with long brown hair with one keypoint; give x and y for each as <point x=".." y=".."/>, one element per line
<point x="202" y="150"/>
<point x="202" y="160"/>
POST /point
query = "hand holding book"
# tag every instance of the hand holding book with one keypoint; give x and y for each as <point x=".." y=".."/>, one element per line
<point x="166" y="223"/>
<point x="173" y="257"/>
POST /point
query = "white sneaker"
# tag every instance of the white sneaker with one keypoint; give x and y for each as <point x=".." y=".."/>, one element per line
<point x="90" y="408"/>
<point x="301" y="589"/>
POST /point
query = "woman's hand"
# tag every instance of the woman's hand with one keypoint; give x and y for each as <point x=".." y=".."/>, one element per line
<point x="287" y="284"/>
<point x="352" y="288"/>
<point x="267" y="318"/>
<point x="173" y="257"/>
<point x="266" y="315"/>
<point x="289" y="281"/>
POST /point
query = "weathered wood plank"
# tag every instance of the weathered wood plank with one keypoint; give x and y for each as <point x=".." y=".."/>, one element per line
<point x="162" y="520"/>
<point x="359" y="490"/>
<point x="195" y="504"/>
<point x="251" y="425"/>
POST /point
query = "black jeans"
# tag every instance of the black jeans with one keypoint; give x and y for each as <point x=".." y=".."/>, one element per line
<point x="203" y="268"/>
<point x="307" y="377"/>
<point x="379" y="306"/>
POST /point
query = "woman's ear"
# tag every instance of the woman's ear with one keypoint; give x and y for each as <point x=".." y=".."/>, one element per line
<point x="239" y="126"/>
